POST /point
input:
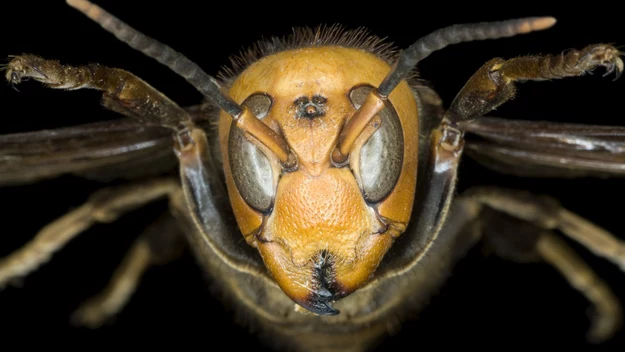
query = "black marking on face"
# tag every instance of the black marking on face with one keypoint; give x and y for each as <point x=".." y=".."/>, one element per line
<point x="324" y="291"/>
<point x="310" y="108"/>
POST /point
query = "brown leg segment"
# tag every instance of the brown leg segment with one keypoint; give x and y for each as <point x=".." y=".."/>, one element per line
<point x="493" y="84"/>
<point x="94" y="312"/>
<point x="547" y="213"/>
<point x="514" y="238"/>
<point x="130" y="96"/>
<point x="104" y="206"/>
<point x="607" y="313"/>
<point x="159" y="244"/>
<point x="123" y="92"/>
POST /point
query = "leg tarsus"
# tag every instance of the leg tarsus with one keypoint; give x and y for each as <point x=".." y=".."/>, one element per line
<point x="104" y="206"/>
<point x="94" y="312"/>
<point x="516" y="227"/>
<point x="159" y="244"/>
<point x="123" y="92"/>
<point x="547" y="213"/>
<point x="606" y="316"/>
<point x="494" y="83"/>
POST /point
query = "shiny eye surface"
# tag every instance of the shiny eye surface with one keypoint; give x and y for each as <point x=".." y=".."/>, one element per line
<point x="381" y="157"/>
<point x="251" y="169"/>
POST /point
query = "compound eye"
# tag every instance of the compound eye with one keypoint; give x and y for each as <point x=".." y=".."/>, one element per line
<point x="381" y="157"/>
<point x="251" y="169"/>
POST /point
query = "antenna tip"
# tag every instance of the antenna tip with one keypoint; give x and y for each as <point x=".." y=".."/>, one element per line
<point x="531" y="24"/>
<point x="88" y="8"/>
<point x="540" y="23"/>
<point x="79" y="4"/>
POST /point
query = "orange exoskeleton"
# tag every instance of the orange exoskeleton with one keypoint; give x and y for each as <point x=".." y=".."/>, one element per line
<point x="324" y="198"/>
<point x="321" y="228"/>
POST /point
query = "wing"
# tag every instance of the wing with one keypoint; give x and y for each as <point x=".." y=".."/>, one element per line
<point x="546" y="149"/>
<point x="122" y="148"/>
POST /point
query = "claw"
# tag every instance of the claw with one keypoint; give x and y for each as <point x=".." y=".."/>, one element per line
<point x="609" y="68"/>
<point x="603" y="55"/>
<point x="619" y="66"/>
<point x="24" y="67"/>
<point x="15" y="71"/>
<point x="15" y="79"/>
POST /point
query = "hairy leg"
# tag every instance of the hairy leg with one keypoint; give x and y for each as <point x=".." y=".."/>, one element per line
<point x="103" y="206"/>
<point x="123" y="92"/>
<point x="494" y="83"/>
<point x="607" y="312"/>
<point x="518" y="226"/>
<point x="547" y="213"/>
<point x="159" y="244"/>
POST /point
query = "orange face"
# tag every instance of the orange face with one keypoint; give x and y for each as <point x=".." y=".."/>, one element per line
<point x="321" y="229"/>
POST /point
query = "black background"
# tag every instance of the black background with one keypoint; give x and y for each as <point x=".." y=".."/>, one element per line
<point x="488" y="302"/>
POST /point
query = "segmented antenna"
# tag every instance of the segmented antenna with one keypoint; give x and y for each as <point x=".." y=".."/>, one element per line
<point x="409" y="58"/>
<point x="455" y="34"/>
<point x="162" y="53"/>
<point x="207" y="85"/>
